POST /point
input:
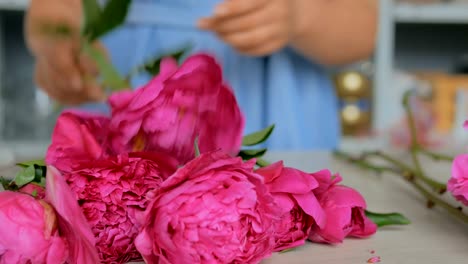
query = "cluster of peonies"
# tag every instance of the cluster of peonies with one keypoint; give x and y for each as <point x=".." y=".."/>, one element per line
<point x="131" y="187"/>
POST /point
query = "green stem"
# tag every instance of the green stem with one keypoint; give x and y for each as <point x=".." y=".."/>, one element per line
<point x="436" y="156"/>
<point x="389" y="159"/>
<point x="433" y="198"/>
<point x="362" y="163"/>
<point x="452" y="210"/>
<point x="438" y="186"/>
<point x="415" y="147"/>
<point x="411" y="124"/>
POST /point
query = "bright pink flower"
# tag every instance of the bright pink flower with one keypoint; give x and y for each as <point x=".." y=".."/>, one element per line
<point x="72" y="223"/>
<point x="77" y="136"/>
<point x="28" y="232"/>
<point x="344" y="208"/>
<point x="215" y="209"/>
<point x="113" y="193"/>
<point x="292" y="191"/>
<point x="458" y="183"/>
<point x="175" y="108"/>
<point x="33" y="189"/>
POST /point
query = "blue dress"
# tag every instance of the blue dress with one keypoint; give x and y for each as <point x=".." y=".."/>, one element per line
<point x="283" y="89"/>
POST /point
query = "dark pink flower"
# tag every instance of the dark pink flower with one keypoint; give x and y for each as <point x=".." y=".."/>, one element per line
<point x="113" y="193"/>
<point x="215" y="209"/>
<point x="292" y="190"/>
<point x="175" y="108"/>
<point x="77" y="136"/>
<point x="344" y="208"/>
<point x="28" y="232"/>
<point x="458" y="183"/>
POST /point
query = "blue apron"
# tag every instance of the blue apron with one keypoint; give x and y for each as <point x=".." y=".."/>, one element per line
<point x="283" y="89"/>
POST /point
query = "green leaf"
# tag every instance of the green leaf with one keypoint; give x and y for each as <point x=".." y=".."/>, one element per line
<point x="42" y="182"/>
<point x="91" y="12"/>
<point x="262" y="163"/>
<point x="110" y="76"/>
<point x="247" y="154"/>
<point x="39" y="173"/>
<point x="257" y="137"/>
<point x="5" y="183"/>
<point x="34" y="193"/>
<point x="104" y="20"/>
<point x="25" y="164"/>
<point x="287" y="250"/>
<point x="153" y="66"/>
<point x="197" y="148"/>
<point x="25" y="176"/>
<point x="387" y="219"/>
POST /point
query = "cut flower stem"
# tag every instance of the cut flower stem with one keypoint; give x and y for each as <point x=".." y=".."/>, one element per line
<point x="413" y="173"/>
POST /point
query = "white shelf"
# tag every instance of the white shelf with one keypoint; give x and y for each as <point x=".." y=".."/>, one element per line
<point x="18" y="5"/>
<point x="443" y="13"/>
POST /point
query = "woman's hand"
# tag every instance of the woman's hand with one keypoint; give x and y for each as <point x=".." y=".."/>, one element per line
<point x="328" y="32"/>
<point x="62" y="71"/>
<point x="253" y="27"/>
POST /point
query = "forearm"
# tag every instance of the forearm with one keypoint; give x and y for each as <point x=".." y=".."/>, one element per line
<point x="335" y="32"/>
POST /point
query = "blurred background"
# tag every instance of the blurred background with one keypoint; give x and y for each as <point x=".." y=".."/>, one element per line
<point x="422" y="45"/>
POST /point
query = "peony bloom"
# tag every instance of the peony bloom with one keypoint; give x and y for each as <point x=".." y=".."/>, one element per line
<point x="292" y="191"/>
<point x="72" y="223"/>
<point x="33" y="189"/>
<point x="215" y="209"/>
<point x="458" y="183"/>
<point x="175" y="108"/>
<point x="77" y="136"/>
<point x="28" y="232"/>
<point x="344" y="208"/>
<point x="113" y="193"/>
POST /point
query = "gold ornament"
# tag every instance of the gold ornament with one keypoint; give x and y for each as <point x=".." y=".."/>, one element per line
<point x="352" y="84"/>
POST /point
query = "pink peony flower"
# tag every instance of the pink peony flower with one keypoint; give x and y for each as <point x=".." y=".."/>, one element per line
<point x="72" y="223"/>
<point x="344" y="208"/>
<point x="28" y="232"/>
<point x="33" y="189"/>
<point x="175" y="108"/>
<point x="458" y="183"/>
<point x="215" y="209"/>
<point x="292" y="190"/>
<point x="77" y="136"/>
<point x="112" y="193"/>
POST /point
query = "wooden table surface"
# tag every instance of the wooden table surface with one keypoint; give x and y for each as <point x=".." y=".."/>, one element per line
<point x="434" y="237"/>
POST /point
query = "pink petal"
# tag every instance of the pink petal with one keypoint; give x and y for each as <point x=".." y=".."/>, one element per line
<point x="293" y="181"/>
<point x="311" y="206"/>
<point x="284" y="202"/>
<point x="151" y="90"/>
<point x="333" y="232"/>
<point x="120" y="99"/>
<point x="460" y="167"/>
<point x="271" y="172"/>
<point x="364" y="229"/>
<point x="346" y="197"/>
